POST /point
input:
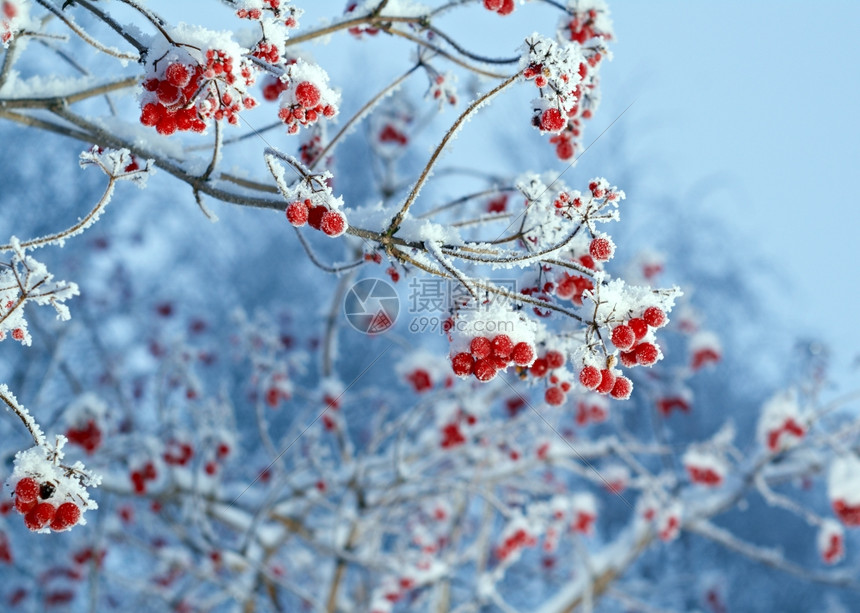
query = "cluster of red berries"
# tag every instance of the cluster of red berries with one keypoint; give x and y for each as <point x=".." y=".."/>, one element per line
<point x="790" y="428"/>
<point x="266" y="51"/>
<point x="502" y="7"/>
<point x="442" y="90"/>
<point x="177" y="453"/>
<point x="572" y="287"/>
<point x="583" y="27"/>
<point x="8" y="12"/>
<point x="187" y="95"/>
<point x="17" y="334"/>
<point x="848" y="514"/>
<point x="307" y="110"/>
<point x="31" y="500"/>
<point x="518" y="540"/>
<point x="139" y="478"/>
<point x="606" y="381"/>
<point x="834" y="549"/>
<point x="704" y="476"/>
<point x="704" y="356"/>
<point x="390" y="134"/>
<point x="555" y="395"/>
<point x="590" y="412"/>
<point x="272" y="88"/>
<point x="357" y="31"/>
<point x="628" y="338"/>
<point x="319" y="217"/>
<point x="88" y="436"/>
<point x="486" y="357"/>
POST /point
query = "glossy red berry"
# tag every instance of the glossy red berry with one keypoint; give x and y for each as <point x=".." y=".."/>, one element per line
<point x="628" y="358"/>
<point x="607" y="381"/>
<point x="27" y="490"/>
<point x="623" y="337"/>
<point x="481" y="347"/>
<point x="646" y="354"/>
<point x="297" y="213"/>
<point x="654" y="317"/>
<point x="333" y="223"/>
<point x="590" y="377"/>
<point x="493" y="5"/>
<point x="507" y="7"/>
<point x="462" y="364"/>
<point x="503" y="346"/>
<point x="554" y="396"/>
<point x="601" y="249"/>
<point x="68" y="514"/>
<point x="315" y="216"/>
<point x="307" y="94"/>
<point x="622" y="388"/>
<point x="523" y="354"/>
<point x="23" y="507"/>
<point x="39" y="516"/>
<point x="639" y="327"/>
<point x="554" y="359"/>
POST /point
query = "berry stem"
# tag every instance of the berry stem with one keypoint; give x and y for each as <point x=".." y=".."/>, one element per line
<point x="23" y="414"/>
<point x="398" y="219"/>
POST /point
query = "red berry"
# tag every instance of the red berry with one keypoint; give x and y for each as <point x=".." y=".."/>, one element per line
<point x="622" y="389"/>
<point x="654" y="317"/>
<point x="333" y="223"/>
<point x="554" y="359"/>
<point x="315" y="216"/>
<point x="590" y="377"/>
<point x="27" y="490"/>
<point x="539" y="367"/>
<point x="178" y="75"/>
<point x="601" y="249"/>
<point x="307" y="94"/>
<point x="646" y="353"/>
<point x="628" y="359"/>
<point x="18" y="334"/>
<point x="503" y="346"/>
<point x="507" y="7"/>
<point x="22" y="507"/>
<point x="151" y="114"/>
<point x="623" y="337"/>
<point x="554" y="396"/>
<point x="462" y="364"/>
<point x="39" y="515"/>
<point x="493" y="5"/>
<point x="485" y="369"/>
<point x="481" y="347"/>
<point x="523" y="354"/>
<point x="67" y="515"/>
<point x="167" y="93"/>
<point x="639" y="327"/>
<point x="297" y="213"/>
<point x="552" y="121"/>
<point x="607" y="381"/>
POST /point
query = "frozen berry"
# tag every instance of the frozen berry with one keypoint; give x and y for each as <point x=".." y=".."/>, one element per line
<point x="39" y="516"/>
<point x="503" y="346"/>
<point x="297" y="213"/>
<point x="554" y="359"/>
<point x="485" y="369"/>
<point x="552" y="121"/>
<point x="539" y="367"/>
<point x="654" y="317"/>
<point x="554" y="396"/>
<point x="623" y="337"/>
<point x="178" y="75"/>
<point x="462" y="364"/>
<point x="307" y="94"/>
<point x="333" y="223"/>
<point x="607" y="381"/>
<point x="646" y="353"/>
<point x="639" y="327"/>
<point x="27" y="490"/>
<point x="601" y="249"/>
<point x="523" y="354"/>
<point x="622" y="388"/>
<point x="23" y="507"/>
<point x="481" y="347"/>
<point x="67" y="515"/>
<point x="590" y="377"/>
